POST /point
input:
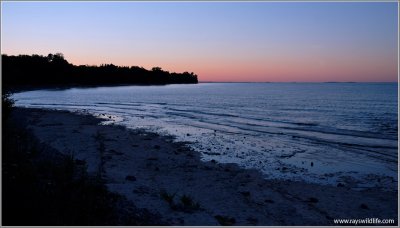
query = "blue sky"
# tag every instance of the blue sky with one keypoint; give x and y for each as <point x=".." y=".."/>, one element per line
<point x="223" y="41"/>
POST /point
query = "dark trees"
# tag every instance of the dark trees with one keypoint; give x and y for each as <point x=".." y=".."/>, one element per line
<point x="55" y="70"/>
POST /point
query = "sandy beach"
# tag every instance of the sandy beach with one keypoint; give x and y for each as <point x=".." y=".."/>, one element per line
<point x="170" y="180"/>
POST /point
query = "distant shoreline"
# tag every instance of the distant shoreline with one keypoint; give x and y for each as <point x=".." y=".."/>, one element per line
<point x="302" y="82"/>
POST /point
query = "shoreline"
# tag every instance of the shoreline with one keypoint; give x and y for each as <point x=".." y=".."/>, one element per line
<point x="168" y="178"/>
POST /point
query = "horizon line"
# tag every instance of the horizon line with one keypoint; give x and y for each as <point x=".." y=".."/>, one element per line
<point x="119" y="65"/>
<point x="300" y="82"/>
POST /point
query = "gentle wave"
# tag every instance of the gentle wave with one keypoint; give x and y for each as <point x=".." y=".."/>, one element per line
<point x="266" y="129"/>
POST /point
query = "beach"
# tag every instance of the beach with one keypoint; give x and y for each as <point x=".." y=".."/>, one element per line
<point x="169" y="179"/>
<point x="200" y="113"/>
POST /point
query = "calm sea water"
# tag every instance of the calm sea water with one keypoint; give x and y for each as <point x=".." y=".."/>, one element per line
<point x="319" y="132"/>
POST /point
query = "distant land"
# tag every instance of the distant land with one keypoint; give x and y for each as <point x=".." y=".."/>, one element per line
<point x="308" y="82"/>
<point x="54" y="70"/>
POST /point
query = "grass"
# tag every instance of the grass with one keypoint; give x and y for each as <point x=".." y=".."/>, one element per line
<point x="225" y="220"/>
<point x="47" y="192"/>
<point x="101" y="148"/>
<point x="186" y="203"/>
<point x="6" y="103"/>
<point x="168" y="197"/>
<point x="44" y="187"/>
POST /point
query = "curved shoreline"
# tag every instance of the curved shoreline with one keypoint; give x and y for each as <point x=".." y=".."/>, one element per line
<point x="156" y="173"/>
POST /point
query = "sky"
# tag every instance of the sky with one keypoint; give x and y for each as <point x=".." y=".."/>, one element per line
<point x="219" y="41"/>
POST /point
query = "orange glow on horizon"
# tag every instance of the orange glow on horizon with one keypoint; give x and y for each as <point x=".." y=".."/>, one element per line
<point x="278" y="69"/>
<point x="294" y="70"/>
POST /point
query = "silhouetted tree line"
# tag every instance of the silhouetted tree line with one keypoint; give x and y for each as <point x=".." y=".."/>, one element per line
<point x="54" y="70"/>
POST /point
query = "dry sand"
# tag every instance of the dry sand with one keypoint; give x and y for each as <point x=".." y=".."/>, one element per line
<point x="142" y="166"/>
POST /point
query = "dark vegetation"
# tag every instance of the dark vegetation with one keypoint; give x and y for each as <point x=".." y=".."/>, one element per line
<point x="225" y="220"/>
<point x="55" y="70"/>
<point x="185" y="203"/>
<point x="44" y="187"/>
<point x="7" y="103"/>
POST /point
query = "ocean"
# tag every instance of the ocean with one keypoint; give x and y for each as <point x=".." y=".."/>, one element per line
<point x="327" y="133"/>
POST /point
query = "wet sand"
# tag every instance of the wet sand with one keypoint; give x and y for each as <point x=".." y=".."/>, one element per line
<point x="169" y="179"/>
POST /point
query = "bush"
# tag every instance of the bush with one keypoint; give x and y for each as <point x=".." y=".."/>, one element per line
<point x="7" y="103"/>
<point x="185" y="204"/>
